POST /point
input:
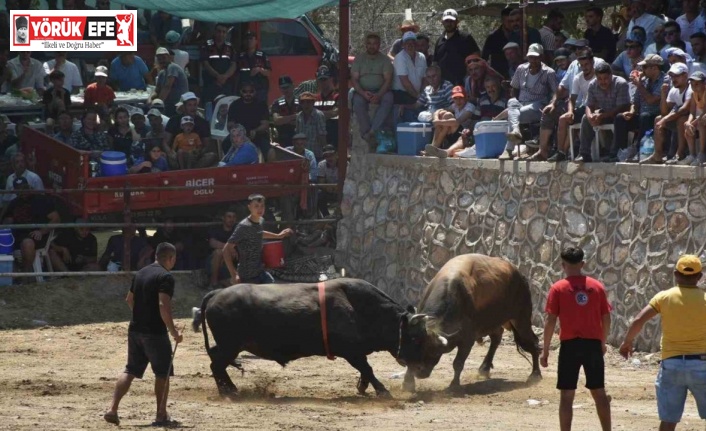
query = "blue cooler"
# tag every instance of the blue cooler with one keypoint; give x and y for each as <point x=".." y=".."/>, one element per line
<point x="6" y="258"/>
<point x="413" y="137"/>
<point x="490" y="138"/>
<point x="113" y="164"/>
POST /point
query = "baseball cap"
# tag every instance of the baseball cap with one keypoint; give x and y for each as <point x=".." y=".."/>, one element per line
<point x="101" y="71"/>
<point x="678" y="69"/>
<point x="409" y="35"/>
<point x="574" y="42"/>
<point x="154" y="113"/>
<point x="457" y="91"/>
<point x="189" y="95"/>
<point x="561" y="53"/>
<point x="510" y="45"/>
<point x="651" y="60"/>
<point x="172" y="36"/>
<point x="449" y="14"/>
<point x="162" y="51"/>
<point x="698" y="76"/>
<point x="535" y="50"/>
<point x="328" y="149"/>
<point x="158" y="103"/>
<point x="676" y="51"/>
<point x="687" y="264"/>
<point x="323" y="73"/>
<point x="299" y="136"/>
<point x="20" y="182"/>
<point x="187" y="119"/>
<point x="285" y="81"/>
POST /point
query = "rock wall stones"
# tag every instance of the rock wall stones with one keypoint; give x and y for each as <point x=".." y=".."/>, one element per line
<point x="404" y="217"/>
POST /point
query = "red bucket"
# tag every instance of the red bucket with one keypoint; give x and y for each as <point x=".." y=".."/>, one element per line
<point x="273" y="254"/>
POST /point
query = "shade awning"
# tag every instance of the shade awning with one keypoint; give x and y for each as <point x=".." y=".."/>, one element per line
<point x="230" y="11"/>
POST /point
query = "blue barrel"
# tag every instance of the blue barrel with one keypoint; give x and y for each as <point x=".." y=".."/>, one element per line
<point x="6" y="241"/>
<point x="113" y="164"/>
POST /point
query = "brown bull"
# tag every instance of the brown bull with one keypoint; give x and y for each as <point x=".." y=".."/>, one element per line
<point x="472" y="296"/>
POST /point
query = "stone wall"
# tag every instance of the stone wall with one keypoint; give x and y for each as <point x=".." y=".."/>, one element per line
<point x="404" y="217"/>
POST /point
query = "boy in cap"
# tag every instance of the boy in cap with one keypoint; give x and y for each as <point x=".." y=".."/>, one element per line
<point x="21" y="27"/>
<point x="683" y="342"/>
<point x="187" y="144"/>
<point x="695" y="124"/>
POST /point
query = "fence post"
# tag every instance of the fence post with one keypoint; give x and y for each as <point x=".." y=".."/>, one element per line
<point x="128" y="229"/>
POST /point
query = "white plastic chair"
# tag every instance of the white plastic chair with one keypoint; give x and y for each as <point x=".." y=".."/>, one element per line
<point x="42" y="256"/>
<point x="595" y="144"/>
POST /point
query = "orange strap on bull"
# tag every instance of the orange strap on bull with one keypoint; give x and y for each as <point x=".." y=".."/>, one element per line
<point x="324" y="325"/>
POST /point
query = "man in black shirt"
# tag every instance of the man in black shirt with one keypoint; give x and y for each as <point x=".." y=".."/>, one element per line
<point x="600" y="38"/>
<point x="75" y="250"/>
<point x="217" y="239"/>
<point x="150" y="299"/>
<point x="254" y="115"/>
<point x="246" y="242"/>
<point x="452" y="48"/>
<point x="284" y="111"/>
<point x="219" y="64"/>
<point x="29" y="209"/>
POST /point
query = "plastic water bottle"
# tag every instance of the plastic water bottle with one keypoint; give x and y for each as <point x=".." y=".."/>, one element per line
<point x="647" y="144"/>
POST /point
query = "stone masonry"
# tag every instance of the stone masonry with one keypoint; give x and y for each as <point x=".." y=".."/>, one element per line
<point x="404" y="217"/>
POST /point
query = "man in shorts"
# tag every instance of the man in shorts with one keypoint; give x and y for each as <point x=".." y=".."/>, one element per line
<point x="247" y="241"/>
<point x="150" y="299"/>
<point x="580" y="304"/>
<point x="683" y="342"/>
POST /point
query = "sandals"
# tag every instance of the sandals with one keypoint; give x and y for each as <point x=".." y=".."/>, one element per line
<point x="112" y="418"/>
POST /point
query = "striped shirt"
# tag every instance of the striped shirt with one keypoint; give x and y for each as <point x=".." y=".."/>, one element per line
<point x="655" y="89"/>
<point x="548" y="39"/>
<point x="617" y="95"/>
<point x="486" y="110"/>
<point x="440" y="99"/>
<point x="534" y="88"/>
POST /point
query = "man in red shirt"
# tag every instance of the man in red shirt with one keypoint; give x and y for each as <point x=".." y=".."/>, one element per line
<point x="99" y="94"/>
<point x="580" y="304"/>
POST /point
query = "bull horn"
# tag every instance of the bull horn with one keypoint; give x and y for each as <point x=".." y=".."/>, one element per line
<point x="444" y="342"/>
<point x="414" y="319"/>
<point x="453" y="334"/>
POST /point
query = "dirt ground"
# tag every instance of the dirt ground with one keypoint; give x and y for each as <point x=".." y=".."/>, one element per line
<point x="62" y="377"/>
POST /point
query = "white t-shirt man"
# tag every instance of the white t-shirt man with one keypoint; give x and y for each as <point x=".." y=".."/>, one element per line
<point x="678" y="97"/>
<point x="35" y="183"/>
<point x="579" y="88"/>
<point x="72" y="76"/>
<point x="413" y="70"/>
<point x="33" y="79"/>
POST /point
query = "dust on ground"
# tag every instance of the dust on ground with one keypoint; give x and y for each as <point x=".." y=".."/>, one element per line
<point x="62" y="377"/>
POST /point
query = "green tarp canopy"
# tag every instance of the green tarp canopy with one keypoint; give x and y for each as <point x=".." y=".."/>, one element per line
<point x="230" y="10"/>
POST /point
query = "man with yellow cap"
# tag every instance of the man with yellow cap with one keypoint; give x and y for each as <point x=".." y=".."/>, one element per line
<point x="683" y="367"/>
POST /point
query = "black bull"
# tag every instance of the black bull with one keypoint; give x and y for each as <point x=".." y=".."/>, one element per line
<point x="472" y="296"/>
<point x="282" y="322"/>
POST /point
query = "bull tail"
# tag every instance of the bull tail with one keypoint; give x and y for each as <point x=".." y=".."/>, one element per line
<point x="526" y="341"/>
<point x="199" y="318"/>
<point x="523" y="345"/>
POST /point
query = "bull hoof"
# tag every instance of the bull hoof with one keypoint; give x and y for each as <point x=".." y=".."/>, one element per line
<point x="228" y="392"/>
<point x="409" y="387"/>
<point x="385" y="394"/>
<point x="362" y="386"/>
<point x="484" y="373"/>
<point x="535" y="377"/>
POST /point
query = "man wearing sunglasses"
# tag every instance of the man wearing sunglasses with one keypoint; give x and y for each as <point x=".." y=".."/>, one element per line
<point x="672" y="34"/>
<point x="628" y="59"/>
<point x="640" y="17"/>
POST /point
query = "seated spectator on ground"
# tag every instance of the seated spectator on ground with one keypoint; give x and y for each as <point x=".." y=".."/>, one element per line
<point x="152" y="160"/>
<point x="7" y="139"/>
<point x="56" y="99"/>
<point x="435" y="96"/>
<point x="458" y="118"/>
<point x="160" y="24"/>
<point x="673" y="39"/>
<point x="644" y="106"/>
<point x="121" y="136"/>
<point x="284" y="111"/>
<point x="513" y="56"/>
<point x="29" y="209"/>
<point x="187" y="144"/>
<point x="371" y="77"/>
<point x="99" y="94"/>
<point x="561" y="63"/>
<point x="327" y="172"/>
<point x="533" y="85"/>
<point x="217" y="239"/>
<point x="190" y="105"/>
<point x="608" y="95"/>
<point x="600" y="38"/>
<point x="65" y="128"/>
<point x="254" y="116"/>
<point x="562" y="114"/>
<point x="74" y="250"/>
<point x="327" y="102"/>
<point x="674" y="111"/>
<point x="156" y="124"/>
<point x="72" y="76"/>
<point x="627" y="60"/>
<point x="312" y="123"/>
<point x="19" y="168"/>
<point x="410" y="68"/>
<point x="695" y="125"/>
<point x="139" y="123"/>
<point x="408" y="26"/>
<point x="640" y="17"/>
<point x="128" y="71"/>
<point x="112" y="258"/>
<point x="171" y="81"/>
<point x="27" y="72"/>
<point x="89" y="137"/>
<point x="473" y="82"/>
<point x="492" y="102"/>
<point x="242" y="151"/>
